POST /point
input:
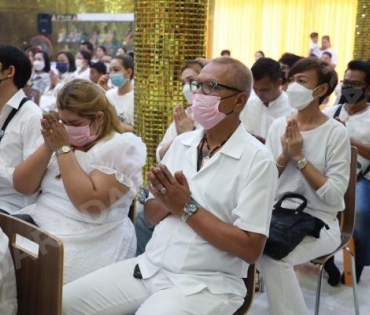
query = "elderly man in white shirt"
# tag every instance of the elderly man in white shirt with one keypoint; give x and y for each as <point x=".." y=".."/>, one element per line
<point x="270" y="101"/>
<point x="19" y="123"/>
<point x="213" y="198"/>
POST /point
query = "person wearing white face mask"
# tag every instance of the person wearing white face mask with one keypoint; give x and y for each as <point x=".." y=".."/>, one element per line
<point x="40" y="78"/>
<point x="312" y="154"/>
<point x="182" y="117"/>
<point x="122" y="95"/>
<point x="83" y="59"/>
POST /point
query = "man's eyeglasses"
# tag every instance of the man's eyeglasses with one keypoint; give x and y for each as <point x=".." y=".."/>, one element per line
<point x="353" y="84"/>
<point x="209" y="86"/>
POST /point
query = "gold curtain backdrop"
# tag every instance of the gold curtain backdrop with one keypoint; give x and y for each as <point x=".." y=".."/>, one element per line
<point x="278" y="26"/>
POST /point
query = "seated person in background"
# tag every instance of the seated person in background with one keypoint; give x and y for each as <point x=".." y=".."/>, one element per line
<point x="326" y="47"/>
<point x="270" y="103"/>
<point x="8" y="288"/>
<point x="86" y="45"/>
<point x="121" y="50"/>
<point x="314" y="49"/>
<point x="22" y="135"/>
<point x="200" y="250"/>
<point x="259" y="54"/>
<point x="89" y="173"/>
<point x="122" y="95"/>
<point x="40" y="78"/>
<point x="312" y="155"/>
<point x="182" y="118"/>
<point x="66" y="68"/>
<point x="225" y="53"/>
<point x="83" y="59"/>
<point x="287" y="60"/>
<point x="97" y="69"/>
<point x="354" y="113"/>
<point x="182" y="122"/>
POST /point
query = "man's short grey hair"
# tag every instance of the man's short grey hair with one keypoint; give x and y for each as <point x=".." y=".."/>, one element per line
<point x="238" y="75"/>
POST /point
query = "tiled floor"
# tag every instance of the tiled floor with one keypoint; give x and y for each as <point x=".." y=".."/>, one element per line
<point x="334" y="300"/>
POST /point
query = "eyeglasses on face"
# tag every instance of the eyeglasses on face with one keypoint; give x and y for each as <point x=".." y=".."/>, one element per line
<point x="209" y="86"/>
<point x="353" y="84"/>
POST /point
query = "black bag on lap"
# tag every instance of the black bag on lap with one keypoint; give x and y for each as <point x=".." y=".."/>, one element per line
<point x="288" y="228"/>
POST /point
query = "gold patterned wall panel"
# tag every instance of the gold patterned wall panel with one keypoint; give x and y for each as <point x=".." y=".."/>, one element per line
<point x="362" y="35"/>
<point x="167" y="34"/>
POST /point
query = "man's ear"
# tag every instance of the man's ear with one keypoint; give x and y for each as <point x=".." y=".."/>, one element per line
<point x="240" y="101"/>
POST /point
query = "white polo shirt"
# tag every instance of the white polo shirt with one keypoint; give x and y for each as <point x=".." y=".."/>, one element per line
<point x="238" y="186"/>
<point x="257" y="118"/>
<point x="22" y="137"/>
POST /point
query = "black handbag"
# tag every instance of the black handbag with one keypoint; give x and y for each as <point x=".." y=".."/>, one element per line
<point x="288" y="228"/>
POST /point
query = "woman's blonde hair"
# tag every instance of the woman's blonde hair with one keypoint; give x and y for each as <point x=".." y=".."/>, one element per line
<point x="87" y="99"/>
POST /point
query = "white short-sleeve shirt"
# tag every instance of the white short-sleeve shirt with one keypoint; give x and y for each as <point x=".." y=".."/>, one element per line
<point x="257" y="118"/>
<point x="238" y="186"/>
<point x="124" y="105"/>
<point x="22" y="137"/>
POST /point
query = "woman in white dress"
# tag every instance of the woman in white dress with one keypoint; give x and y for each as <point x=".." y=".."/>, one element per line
<point x="88" y="173"/>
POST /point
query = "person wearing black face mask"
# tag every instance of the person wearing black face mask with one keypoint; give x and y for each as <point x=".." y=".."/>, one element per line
<point x="353" y="111"/>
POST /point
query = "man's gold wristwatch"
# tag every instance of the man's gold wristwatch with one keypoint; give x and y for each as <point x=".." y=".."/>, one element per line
<point x="63" y="150"/>
<point x="190" y="209"/>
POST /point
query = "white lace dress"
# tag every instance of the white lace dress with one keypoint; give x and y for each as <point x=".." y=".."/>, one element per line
<point x="91" y="242"/>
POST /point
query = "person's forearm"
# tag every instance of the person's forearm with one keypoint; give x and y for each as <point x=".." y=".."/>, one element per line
<point x="28" y="175"/>
<point x="314" y="178"/>
<point x="79" y="186"/>
<point x="362" y="148"/>
<point x="154" y="212"/>
<point x="245" y="245"/>
<point x="164" y="149"/>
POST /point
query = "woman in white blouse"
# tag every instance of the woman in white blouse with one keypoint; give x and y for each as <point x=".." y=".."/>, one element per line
<point x="88" y="173"/>
<point x="312" y="155"/>
<point x="83" y="59"/>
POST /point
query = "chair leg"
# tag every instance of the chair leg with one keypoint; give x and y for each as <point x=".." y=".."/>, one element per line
<point x="318" y="289"/>
<point x="354" y="280"/>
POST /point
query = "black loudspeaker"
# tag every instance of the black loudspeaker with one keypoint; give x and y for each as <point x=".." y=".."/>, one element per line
<point x="44" y="24"/>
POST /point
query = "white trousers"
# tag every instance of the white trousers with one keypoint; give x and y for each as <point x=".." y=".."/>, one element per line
<point x="283" y="291"/>
<point x="113" y="290"/>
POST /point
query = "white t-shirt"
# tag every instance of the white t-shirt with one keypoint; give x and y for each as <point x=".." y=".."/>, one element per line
<point x="327" y="147"/>
<point x="334" y="58"/>
<point x="315" y="49"/>
<point x="22" y="137"/>
<point x="358" y="126"/>
<point x="257" y="118"/>
<point x="238" y="186"/>
<point x="124" y="105"/>
<point x="83" y="75"/>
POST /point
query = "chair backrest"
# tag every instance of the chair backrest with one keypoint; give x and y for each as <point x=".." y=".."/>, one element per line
<point x="39" y="274"/>
<point x="250" y="283"/>
<point x="348" y="215"/>
<point x="32" y="94"/>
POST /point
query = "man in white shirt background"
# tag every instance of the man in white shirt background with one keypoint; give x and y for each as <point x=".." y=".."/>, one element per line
<point x="271" y="102"/>
<point x="19" y="123"/>
<point x="314" y="49"/>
